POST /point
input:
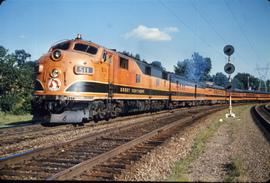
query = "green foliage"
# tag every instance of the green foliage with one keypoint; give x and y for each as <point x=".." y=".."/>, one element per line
<point x="242" y="80"/>
<point x="220" y="79"/>
<point x="198" y="147"/>
<point x="268" y="85"/>
<point x="234" y="169"/>
<point x="181" y="68"/>
<point x="136" y="56"/>
<point x="196" y="69"/>
<point x="16" y="81"/>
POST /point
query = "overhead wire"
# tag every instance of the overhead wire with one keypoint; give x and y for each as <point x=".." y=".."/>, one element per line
<point x="188" y="27"/>
<point x="182" y="22"/>
<point x="242" y="31"/>
<point x="208" y="22"/>
<point x="225" y="41"/>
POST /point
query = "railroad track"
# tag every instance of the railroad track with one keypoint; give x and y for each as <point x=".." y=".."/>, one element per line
<point x="11" y="132"/>
<point x="100" y="156"/>
<point x="14" y="140"/>
<point x="261" y="113"/>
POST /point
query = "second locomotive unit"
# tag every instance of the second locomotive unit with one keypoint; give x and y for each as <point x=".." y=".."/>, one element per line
<point x="79" y="81"/>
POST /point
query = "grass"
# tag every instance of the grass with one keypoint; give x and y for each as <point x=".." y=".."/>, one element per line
<point x="199" y="145"/>
<point x="234" y="170"/>
<point x="9" y="119"/>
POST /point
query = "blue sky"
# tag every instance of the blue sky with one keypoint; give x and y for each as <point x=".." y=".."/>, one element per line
<point x="164" y="30"/>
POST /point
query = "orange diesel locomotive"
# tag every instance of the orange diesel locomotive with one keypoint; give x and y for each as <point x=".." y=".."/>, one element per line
<point x="79" y="81"/>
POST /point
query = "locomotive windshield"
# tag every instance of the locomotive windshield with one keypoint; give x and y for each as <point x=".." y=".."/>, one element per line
<point x="61" y="46"/>
<point x="85" y="48"/>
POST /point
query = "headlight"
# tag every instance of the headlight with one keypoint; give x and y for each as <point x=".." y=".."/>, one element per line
<point x="40" y="68"/>
<point x="55" y="73"/>
<point x="56" y="55"/>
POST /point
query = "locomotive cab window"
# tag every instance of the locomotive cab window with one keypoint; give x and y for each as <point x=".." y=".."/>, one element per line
<point x="61" y="46"/>
<point x="123" y="63"/>
<point x="92" y="50"/>
<point x="80" y="47"/>
<point x="85" y="48"/>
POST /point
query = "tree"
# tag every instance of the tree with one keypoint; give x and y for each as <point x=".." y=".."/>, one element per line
<point x="220" y="79"/>
<point x="245" y="80"/>
<point x="237" y="84"/>
<point x="208" y="63"/>
<point x="137" y="56"/>
<point x="1" y="1"/>
<point x="16" y="81"/>
<point x="158" y="65"/>
<point x="268" y="85"/>
<point x="197" y="68"/>
<point x="21" y="56"/>
<point x="181" y="68"/>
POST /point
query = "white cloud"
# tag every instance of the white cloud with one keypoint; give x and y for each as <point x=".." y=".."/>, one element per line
<point x="151" y="34"/>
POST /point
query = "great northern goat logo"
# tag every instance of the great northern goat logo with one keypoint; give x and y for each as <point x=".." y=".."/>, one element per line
<point x="54" y="84"/>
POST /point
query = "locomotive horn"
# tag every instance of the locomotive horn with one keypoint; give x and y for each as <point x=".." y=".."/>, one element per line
<point x="79" y="36"/>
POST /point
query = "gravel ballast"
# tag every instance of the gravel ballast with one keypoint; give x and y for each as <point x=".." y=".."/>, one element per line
<point x="66" y="134"/>
<point x="236" y="151"/>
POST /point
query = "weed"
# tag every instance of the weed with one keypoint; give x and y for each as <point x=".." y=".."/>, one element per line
<point x="199" y="145"/>
<point x="234" y="170"/>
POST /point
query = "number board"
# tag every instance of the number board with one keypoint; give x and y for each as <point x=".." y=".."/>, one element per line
<point x="83" y="70"/>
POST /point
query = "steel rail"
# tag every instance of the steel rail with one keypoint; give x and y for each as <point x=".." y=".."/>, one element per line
<point x="18" y="130"/>
<point x="88" y="164"/>
<point x="262" y="113"/>
<point x="53" y="131"/>
<point x="7" y="163"/>
<point x="44" y="150"/>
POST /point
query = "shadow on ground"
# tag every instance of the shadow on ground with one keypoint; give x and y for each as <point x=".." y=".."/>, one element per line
<point x="20" y="123"/>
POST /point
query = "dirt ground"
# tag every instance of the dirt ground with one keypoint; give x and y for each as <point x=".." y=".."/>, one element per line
<point x="216" y="149"/>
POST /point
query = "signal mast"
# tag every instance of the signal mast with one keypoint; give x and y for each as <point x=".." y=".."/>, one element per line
<point x="229" y="69"/>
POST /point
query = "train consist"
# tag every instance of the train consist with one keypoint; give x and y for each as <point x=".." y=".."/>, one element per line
<point x="79" y="81"/>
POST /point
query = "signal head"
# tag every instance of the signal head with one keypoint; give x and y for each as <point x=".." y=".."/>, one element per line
<point x="228" y="50"/>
